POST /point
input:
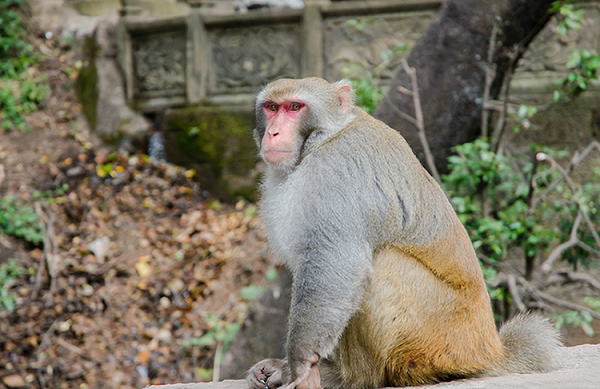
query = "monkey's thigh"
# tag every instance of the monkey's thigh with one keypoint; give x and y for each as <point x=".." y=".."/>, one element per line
<point x="414" y="328"/>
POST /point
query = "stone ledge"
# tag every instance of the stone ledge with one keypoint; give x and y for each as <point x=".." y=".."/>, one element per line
<point x="581" y="371"/>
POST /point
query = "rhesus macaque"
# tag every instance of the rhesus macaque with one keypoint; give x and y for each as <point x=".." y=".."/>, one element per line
<point x="387" y="288"/>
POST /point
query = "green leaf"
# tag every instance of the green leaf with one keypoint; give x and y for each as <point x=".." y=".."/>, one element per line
<point x="271" y="275"/>
<point x="252" y="292"/>
<point x="556" y="96"/>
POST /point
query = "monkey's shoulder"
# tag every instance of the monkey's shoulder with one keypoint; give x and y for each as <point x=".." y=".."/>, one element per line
<point x="367" y="138"/>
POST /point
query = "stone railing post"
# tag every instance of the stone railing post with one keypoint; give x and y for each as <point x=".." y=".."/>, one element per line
<point x="197" y="56"/>
<point x="312" y="39"/>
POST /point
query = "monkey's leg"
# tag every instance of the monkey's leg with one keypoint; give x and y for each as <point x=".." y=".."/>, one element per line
<point x="414" y="329"/>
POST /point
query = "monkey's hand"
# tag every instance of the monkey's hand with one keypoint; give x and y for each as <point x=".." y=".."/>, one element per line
<point x="269" y="374"/>
<point x="307" y="374"/>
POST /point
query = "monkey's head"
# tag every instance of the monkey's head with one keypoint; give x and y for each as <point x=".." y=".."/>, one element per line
<point x="292" y="116"/>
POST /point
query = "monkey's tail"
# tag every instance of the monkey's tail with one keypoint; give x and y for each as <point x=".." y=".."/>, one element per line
<point x="531" y="344"/>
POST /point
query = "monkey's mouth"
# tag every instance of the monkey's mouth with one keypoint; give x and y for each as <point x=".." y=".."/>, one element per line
<point x="275" y="156"/>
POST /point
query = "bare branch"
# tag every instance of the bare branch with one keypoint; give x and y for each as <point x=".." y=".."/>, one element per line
<point x="501" y="122"/>
<point x="514" y="292"/>
<point x="546" y="267"/>
<point x="404" y="115"/>
<point x="50" y="245"/>
<point x="566" y="275"/>
<point x="587" y="248"/>
<point x="420" y="121"/>
<point x="405" y="91"/>
<point x="564" y="303"/>
<point x="63" y="343"/>
<point x="46" y="341"/>
<point x="2" y="174"/>
<point x="577" y="158"/>
<point x="490" y="74"/>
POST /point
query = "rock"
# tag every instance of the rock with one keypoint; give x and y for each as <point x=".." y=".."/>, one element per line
<point x="264" y="330"/>
<point x="99" y="247"/>
<point x="580" y="371"/>
<point x="115" y="121"/>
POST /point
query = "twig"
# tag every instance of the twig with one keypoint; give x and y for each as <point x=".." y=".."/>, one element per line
<point x="405" y="91"/>
<point x="566" y="275"/>
<point x="420" y="121"/>
<point x="50" y="246"/>
<point x="217" y="362"/>
<point x="490" y="74"/>
<point x="514" y="292"/>
<point x="63" y="343"/>
<point x="495" y="141"/>
<point x="585" y="215"/>
<point x="2" y="173"/>
<point x="565" y="304"/>
<point x="546" y="267"/>
<point x="404" y="115"/>
<point x="541" y="305"/>
<point x="577" y="158"/>
<point x="539" y="295"/>
<point x="40" y="355"/>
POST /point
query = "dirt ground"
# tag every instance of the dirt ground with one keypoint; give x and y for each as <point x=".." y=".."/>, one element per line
<point x="138" y="263"/>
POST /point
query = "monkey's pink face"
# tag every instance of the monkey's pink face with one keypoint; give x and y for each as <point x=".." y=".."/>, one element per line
<point x="280" y="143"/>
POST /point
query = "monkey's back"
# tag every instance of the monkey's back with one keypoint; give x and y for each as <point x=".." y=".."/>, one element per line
<point x="426" y="314"/>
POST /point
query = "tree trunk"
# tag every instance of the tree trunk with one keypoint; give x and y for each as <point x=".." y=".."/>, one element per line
<point x="451" y="61"/>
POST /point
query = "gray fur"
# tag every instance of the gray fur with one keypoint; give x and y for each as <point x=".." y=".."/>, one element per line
<point x="326" y="216"/>
<point x="531" y="345"/>
<point x="344" y="197"/>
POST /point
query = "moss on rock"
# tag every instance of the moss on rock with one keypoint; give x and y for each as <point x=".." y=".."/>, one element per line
<point x="218" y="144"/>
<point x="86" y="86"/>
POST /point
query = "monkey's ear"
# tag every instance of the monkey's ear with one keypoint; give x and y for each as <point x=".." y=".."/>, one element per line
<point x="345" y="94"/>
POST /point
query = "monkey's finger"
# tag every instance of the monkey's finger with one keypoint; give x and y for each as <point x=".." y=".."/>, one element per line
<point x="313" y="381"/>
<point x="274" y="379"/>
<point x="255" y="382"/>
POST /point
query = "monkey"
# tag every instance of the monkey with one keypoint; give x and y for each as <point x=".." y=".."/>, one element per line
<point x="387" y="289"/>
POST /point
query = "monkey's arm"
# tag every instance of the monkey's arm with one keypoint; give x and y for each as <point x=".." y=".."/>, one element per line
<point x="332" y="260"/>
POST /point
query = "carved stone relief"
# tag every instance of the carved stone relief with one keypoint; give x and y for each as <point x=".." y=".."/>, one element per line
<point x="159" y="61"/>
<point x="549" y="51"/>
<point x="246" y="58"/>
<point x="360" y="47"/>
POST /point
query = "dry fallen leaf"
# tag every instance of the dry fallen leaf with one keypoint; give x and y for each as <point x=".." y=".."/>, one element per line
<point x="14" y="381"/>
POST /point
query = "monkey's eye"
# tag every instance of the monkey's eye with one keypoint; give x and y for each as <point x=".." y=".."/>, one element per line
<point x="271" y="107"/>
<point x="295" y="106"/>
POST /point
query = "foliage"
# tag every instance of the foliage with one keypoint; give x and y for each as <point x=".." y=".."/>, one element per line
<point x="8" y="272"/>
<point x="583" y="65"/>
<point x="523" y="116"/>
<point x="218" y="332"/>
<point x="493" y="201"/>
<point x="15" y="53"/>
<point x="570" y="16"/>
<point x="587" y="197"/>
<point x="20" y="92"/>
<point x="575" y="318"/>
<point x="584" y="68"/>
<point x="493" y="196"/>
<point x="20" y="220"/>
<point x="365" y="78"/>
<point x="368" y="95"/>
<point x="252" y="292"/>
<point x="579" y="318"/>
